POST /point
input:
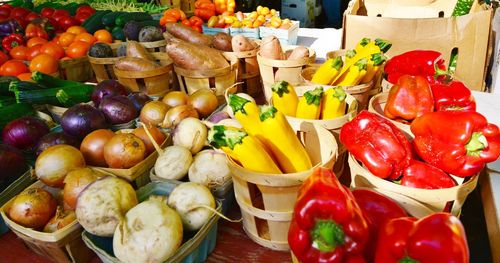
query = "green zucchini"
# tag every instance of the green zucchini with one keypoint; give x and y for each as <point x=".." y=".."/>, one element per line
<point x="136" y="16"/>
<point x="6" y="101"/>
<point x="94" y="22"/>
<point x="118" y="33"/>
<point x="52" y="82"/>
<point x="61" y="96"/>
<point x="25" y="85"/>
<point x="71" y="8"/>
<point x="4" y="85"/>
<point x="109" y="18"/>
<point x="15" y="111"/>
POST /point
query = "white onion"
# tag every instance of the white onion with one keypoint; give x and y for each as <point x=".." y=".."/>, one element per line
<point x="151" y="232"/>
<point x="209" y="168"/>
<point x="187" y="199"/>
<point x="190" y="133"/>
<point x="173" y="163"/>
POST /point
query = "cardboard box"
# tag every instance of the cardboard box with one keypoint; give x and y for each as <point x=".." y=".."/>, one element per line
<point x="286" y="37"/>
<point x="301" y="10"/>
<point x="425" y="24"/>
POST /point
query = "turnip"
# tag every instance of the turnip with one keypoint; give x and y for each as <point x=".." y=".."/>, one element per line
<point x="150" y="232"/>
<point x="209" y="168"/>
<point x="173" y="163"/>
<point x="191" y="200"/>
<point x="103" y="204"/>
<point x="190" y="133"/>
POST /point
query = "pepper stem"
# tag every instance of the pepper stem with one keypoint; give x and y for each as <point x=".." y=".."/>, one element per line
<point x="327" y="235"/>
<point x="476" y="144"/>
<point x="237" y="103"/>
<point x="440" y="72"/>
<point x="407" y="259"/>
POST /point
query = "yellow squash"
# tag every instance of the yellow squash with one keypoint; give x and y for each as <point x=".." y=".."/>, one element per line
<point x="373" y="66"/>
<point x="309" y="106"/>
<point x="361" y="44"/>
<point x="354" y="75"/>
<point x="247" y="114"/>
<point x="284" y="98"/>
<point x="327" y="71"/>
<point x="334" y="103"/>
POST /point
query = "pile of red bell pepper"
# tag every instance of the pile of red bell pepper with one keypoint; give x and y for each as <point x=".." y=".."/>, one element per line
<point x="422" y="84"/>
<point x="449" y="142"/>
<point x="332" y="224"/>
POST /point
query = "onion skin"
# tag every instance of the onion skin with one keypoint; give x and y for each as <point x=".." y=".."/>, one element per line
<point x="60" y="220"/>
<point x="82" y="119"/>
<point x="153" y="113"/>
<point x="118" y="109"/>
<point x="24" y="133"/>
<point x="106" y="88"/>
<point x="176" y="114"/>
<point x="74" y="183"/>
<point x="33" y="208"/>
<point x="124" y="151"/>
<point x="157" y="134"/>
<point x="175" y="98"/>
<point x="53" y="164"/>
<point x="204" y="101"/>
<point x="55" y="138"/>
<point x="139" y="99"/>
<point x="92" y="147"/>
<point x="12" y="163"/>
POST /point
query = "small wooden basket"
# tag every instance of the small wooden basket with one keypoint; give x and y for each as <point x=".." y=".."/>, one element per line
<point x="154" y="82"/>
<point x="63" y="246"/>
<point x="267" y="200"/>
<point x="103" y="67"/>
<point x="188" y="7"/>
<point x="377" y="105"/>
<point x="247" y="73"/>
<point x="217" y="80"/>
<point x="155" y="46"/>
<point x="272" y="70"/>
<point x="77" y="69"/>
<point x="437" y="200"/>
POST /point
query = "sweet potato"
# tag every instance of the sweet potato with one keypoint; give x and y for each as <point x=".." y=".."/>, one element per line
<point x="188" y="34"/>
<point x="241" y="43"/>
<point x="222" y="41"/>
<point x="271" y="48"/>
<point x="135" y="64"/>
<point x="136" y="50"/>
<point x="298" y="53"/>
<point x="192" y="56"/>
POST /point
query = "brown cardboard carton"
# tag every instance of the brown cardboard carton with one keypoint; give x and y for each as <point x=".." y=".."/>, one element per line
<point x="425" y="24"/>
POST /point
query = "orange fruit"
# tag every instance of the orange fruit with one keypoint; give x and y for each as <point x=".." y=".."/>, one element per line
<point x="65" y="39"/>
<point x="19" y="52"/>
<point x="77" y="49"/>
<point x="103" y="36"/>
<point x="44" y="63"/>
<point x="33" y="52"/>
<point x="56" y="39"/>
<point x="36" y="41"/>
<point x="76" y="30"/>
<point x="13" y="68"/>
<point x="85" y="37"/>
<point x="52" y="49"/>
<point x="25" y="77"/>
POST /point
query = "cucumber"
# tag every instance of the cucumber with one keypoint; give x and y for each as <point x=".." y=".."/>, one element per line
<point x="25" y="85"/>
<point x="118" y="33"/>
<point x="149" y="23"/>
<point x="109" y="18"/>
<point x="4" y="85"/>
<point x="94" y="22"/>
<point x="136" y="16"/>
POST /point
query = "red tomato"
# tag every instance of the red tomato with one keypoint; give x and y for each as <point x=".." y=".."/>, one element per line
<point x="13" y="68"/>
<point x="61" y="12"/>
<point x="85" y="9"/>
<point x="81" y="17"/>
<point x="196" y="21"/>
<point x="4" y="11"/>
<point x="197" y="28"/>
<point x="186" y="22"/>
<point x="33" y="51"/>
<point x="47" y="11"/>
<point x="19" y="12"/>
<point x="67" y="22"/>
<point x="32" y="16"/>
<point x="3" y="57"/>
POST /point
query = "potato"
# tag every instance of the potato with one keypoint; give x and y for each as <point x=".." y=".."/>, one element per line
<point x="192" y="56"/>
<point x="271" y="48"/>
<point x="298" y="53"/>
<point x="188" y="34"/>
<point x="136" y="50"/>
<point x="135" y="64"/>
<point x="222" y="41"/>
<point x="241" y="43"/>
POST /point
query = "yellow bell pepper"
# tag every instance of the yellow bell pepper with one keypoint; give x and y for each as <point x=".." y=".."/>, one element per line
<point x="327" y="71"/>
<point x="309" y="106"/>
<point x="373" y="66"/>
<point x="334" y="103"/>
<point x="289" y="152"/>
<point x="284" y="98"/>
<point x="247" y="149"/>
<point x="247" y="114"/>
<point x="354" y="75"/>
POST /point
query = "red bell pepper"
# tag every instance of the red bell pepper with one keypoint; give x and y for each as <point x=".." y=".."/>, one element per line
<point x="425" y="176"/>
<point x="327" y="224"/>
<point x="439" y="237"/>
<point x="411" y="97"/>
<point x="39" y="28"/>
<point x="11" y="41"/>
<point x="378" y="144"/>
<point x="427" y="63"/>
<point x="453" y="96"/>
<point x="377" y="210"/>
<point x="457" y="142"/>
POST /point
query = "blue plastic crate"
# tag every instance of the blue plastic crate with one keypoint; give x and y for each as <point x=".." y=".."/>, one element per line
<point x="214" y="30"/>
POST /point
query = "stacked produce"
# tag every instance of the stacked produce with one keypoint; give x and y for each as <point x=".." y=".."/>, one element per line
<point x="175" y="15"/>
<point x="332" y="224"/>
<point x="119" y="22"/>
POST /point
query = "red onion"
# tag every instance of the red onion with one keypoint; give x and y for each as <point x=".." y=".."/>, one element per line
<point x="24" y="133"/>
<point x="55" y="138"/>
<point x="106" y="88"/>
<point x="82" y="119"/>
<point x="12" y="163"/>
<point x="139" y="99"/>
<point x="118" y="109"/>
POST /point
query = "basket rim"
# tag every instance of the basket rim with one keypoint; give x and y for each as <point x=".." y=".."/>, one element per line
<point x="360" y="88"/>
<point x="382" y="98"/>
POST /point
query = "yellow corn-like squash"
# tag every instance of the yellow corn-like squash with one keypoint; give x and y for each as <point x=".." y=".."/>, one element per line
<point x="247" y="114"/>
<point x="334" y="104"/>
<point x="361" y="44"/>
<point x="327" y="71"/>
<point x="373" y="66"/>
<point x="354" y="75"/>
<point x="284" y="98"/>
<point x="289" y="152"/>
<point x="309" y="106"/>
<point x="247" y="149"/>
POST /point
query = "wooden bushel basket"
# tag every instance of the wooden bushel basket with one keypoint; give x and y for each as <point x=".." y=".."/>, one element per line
<point x="217" y="80"/>
<point x="377" y="105"/>
<point x="247" y="74"/>
<point x="63" y="246"/>
<point x="272" y="70"/>
<point x="267" y="200"/>
<point x="155" y="46"/>
<point x="103" y="67"/>
<point x="437" y="200"/>
<point x="155" y="82"/>
<point x="77" y="69"/>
